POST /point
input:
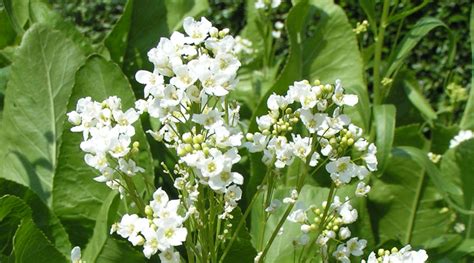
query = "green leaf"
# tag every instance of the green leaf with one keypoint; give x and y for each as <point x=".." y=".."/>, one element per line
<point x="410" y="135"/>
<point x="12" y="211"/>
<point x="441" y="137"/>
<point x="177" y="10"/>
<point x="405" y="203"/>
<point x="411" y="39"/>
<point x="77" y="197"/>
<point x="41" y="79"/>
<point x="116" y="41"/>
<point x="414" y="94"/>
<point x="457" y="164"/>
<point x="7" y="32"/>
<point x="102" y="228"/>
<point x="31" y="245"/>
<point x="13" y="206"/>
<point x="443" y="184"/>
<point x="384" y="120"/>
<point x="41" y="12"/>
<point x="44" y="218"/>
<point x="333" y="53"/>
<point x="119" y="251"/>
<point x="467" y="121"/>
<point x="18" y="13"/>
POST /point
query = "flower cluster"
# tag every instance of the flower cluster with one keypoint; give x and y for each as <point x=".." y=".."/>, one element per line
<point x="331" y="134"/>
<point x="462" y="136"/>
<point x="187" y="91"/>
<point x="395" y="256"/>
<point x="162" y="230"/>
<point x="329" y="223"/>
<point x="107" y="131"/>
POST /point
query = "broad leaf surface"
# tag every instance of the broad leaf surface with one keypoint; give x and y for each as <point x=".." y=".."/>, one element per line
<point x="41" y="80"/>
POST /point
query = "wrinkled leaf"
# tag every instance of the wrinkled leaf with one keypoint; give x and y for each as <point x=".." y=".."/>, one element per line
<point x="40" y="83"/>
<point x="31" y="245"/>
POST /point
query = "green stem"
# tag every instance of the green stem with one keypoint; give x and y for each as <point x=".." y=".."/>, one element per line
<point x="378" y="99"/>
<point x="242" y="220"/>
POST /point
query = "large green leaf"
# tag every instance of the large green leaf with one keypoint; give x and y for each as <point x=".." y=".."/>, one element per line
<point x="18" y="13"/>
<point x="41" y="12"/>
<point x="384" y="120"/>
<point x="41" y="79"/>
<point x="12" y="211"/>
<point x="77" y="197"/>
<point x="405" y="204"/>
<point x="102" y="228"/>
<point x="31" y="245"/>
<point x="442" y="183"/>
<point x="7" y="32"/>
<point x="44" y="218"/>
<point x="457" y="164"/>
<point x="117" y="39"/>
<point x="467" y="121"/>
<point x="333" y="53"/>
<point x="415" y="95"/>
<point x="119" y="251"/>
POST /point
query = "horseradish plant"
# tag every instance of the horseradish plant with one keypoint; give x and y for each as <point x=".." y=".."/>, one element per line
<point x="187" y="92"/>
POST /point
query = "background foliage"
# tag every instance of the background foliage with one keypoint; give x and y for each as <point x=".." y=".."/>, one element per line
<point x="52" y="53"/>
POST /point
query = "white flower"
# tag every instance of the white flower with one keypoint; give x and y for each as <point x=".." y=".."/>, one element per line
<point x="169" y="256"/>
<point x="196" y="30"/>
<point x="264" y="122"/>
<point x="129" y="167"/>
<point x="342" y="254"/>
<point x="76" y="255"/>
<point x="292" y="198"/>
<point x="341" y="169"/>
<point x="233" y="194"/>
<point x="462" y="136"/>
<point x="356" y="246"/>
<point x="152" y="80"/>
<point x="209" y="120"/>
<point x="340" y="99"/>
<point x="344" y="233"/>
<point x="297" y="216"/>
<point x="224" y="179"/>
<point x="370" y="158"/>
<point x="348" y="215"/>
<point x="170" y="233"/>
<point x="313" y="122"/>
<point x="98" y="161"/>
<point x="314" y="159"/>
<point x="301" y="146"/>
<point x="274" y="205"/>
<point x="130" y="226"/>
<point x="152" y="244"/>
<point x="184" y="77"/>
<point x="362" y="189"/>
<point x="276" y="102"/>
